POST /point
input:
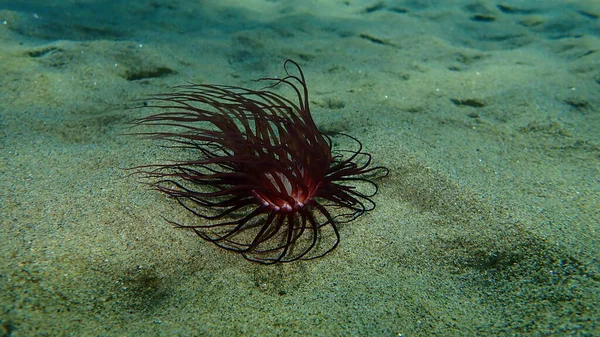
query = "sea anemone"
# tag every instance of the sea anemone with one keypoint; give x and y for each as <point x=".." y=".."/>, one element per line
<point x="264" y="180"/>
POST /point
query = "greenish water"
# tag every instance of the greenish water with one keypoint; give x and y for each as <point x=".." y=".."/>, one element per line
<point x="486" y="113"/>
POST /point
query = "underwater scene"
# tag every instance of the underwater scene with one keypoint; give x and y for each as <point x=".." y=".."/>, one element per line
<point x="300" y="168"/>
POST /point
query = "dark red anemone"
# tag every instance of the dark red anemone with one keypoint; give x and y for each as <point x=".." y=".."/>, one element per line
<point x="262" y="177"/>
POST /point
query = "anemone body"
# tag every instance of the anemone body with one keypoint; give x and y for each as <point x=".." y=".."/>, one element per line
<point x="262" y="177"/>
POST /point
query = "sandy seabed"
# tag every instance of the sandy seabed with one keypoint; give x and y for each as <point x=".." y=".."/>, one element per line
<point x="487" y="114"/>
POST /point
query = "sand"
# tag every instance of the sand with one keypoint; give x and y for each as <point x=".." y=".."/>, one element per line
<point x="486" y="113"/>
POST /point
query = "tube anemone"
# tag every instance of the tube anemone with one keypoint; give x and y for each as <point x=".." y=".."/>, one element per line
<point x="264" y="180"/>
